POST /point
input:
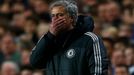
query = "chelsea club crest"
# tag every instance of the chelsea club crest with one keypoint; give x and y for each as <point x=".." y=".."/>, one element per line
<point x="70" y="53"/>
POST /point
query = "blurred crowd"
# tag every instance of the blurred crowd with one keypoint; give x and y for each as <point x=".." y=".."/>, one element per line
<point x="23" y="22"/>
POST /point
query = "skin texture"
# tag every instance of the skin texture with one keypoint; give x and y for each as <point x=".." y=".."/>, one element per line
<point x="61" y="21"/>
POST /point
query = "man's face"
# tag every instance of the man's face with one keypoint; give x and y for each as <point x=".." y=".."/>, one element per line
<point x="60" y="12"/>
<point x="118" y="58"/>
<point x="121" y="71"/>
<point x="8" y="69"/>
<point x="26" y="72"/>
<point x="129" y="54"/>
<point x="8" y="45"/>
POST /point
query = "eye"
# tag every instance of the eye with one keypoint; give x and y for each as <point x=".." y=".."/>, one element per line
<point x="60" y="14"/>
<point x="52" y="15"/>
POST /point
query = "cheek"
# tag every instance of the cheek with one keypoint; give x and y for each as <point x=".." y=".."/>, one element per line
<point x="68" y="23"/>
<point x="68" y="20"/>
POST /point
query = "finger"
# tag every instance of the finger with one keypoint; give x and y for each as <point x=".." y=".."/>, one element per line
<point x="53" y="23"/>
<point x="59" y="23"/>
<point x="59" y="28"/>
<point x="56" y="20"/>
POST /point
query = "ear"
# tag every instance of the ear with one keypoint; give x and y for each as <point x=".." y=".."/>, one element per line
<point x="71" y="19"/>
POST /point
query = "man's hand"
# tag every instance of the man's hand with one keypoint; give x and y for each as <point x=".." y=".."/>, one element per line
<point x="57" y="26"/>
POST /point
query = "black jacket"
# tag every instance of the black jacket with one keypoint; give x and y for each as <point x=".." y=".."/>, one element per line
<point x="77" y="52"/>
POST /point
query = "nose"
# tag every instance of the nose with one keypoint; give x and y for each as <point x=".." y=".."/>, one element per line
<point x="55" y="17"/>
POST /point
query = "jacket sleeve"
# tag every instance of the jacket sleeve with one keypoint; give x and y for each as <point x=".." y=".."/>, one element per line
<point x="43" y="51"/>
<point x="96" y="56"/>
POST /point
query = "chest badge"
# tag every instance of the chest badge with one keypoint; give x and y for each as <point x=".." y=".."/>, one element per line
<point x="70" y="53"/>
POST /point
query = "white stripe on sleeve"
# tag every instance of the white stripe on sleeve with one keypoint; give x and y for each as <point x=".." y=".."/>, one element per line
<point x="97" y="53"/>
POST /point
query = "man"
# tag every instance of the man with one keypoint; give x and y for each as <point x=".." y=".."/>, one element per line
<point x="9" y="68"/>
<point x="69" y="48"/>
<point x="121" y="70"/>
<point x="26" y="70"/>
<point x="9" y="50"/>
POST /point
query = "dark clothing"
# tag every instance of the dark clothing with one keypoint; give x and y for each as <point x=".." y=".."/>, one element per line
<point x="80" y="52"/>
<point x="16" y="57"/>
<point x="1" y="58"/>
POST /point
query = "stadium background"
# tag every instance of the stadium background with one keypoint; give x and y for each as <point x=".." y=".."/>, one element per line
<point x="22" y="22"/>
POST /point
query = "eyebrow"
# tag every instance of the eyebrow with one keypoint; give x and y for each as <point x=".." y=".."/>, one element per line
<point x="58" y="14"/>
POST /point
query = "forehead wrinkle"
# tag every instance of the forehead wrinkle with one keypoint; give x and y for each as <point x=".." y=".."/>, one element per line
<point x="58" y="9"/>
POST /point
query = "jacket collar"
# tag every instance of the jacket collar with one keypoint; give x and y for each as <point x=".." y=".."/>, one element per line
<point x="84" y="24"/>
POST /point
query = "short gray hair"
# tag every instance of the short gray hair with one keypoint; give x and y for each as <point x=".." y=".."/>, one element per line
<point x="12" y="64"/>
<point x="70" y="7"/>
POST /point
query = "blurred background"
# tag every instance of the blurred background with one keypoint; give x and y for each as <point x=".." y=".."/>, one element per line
<point x="23" y="22"/>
